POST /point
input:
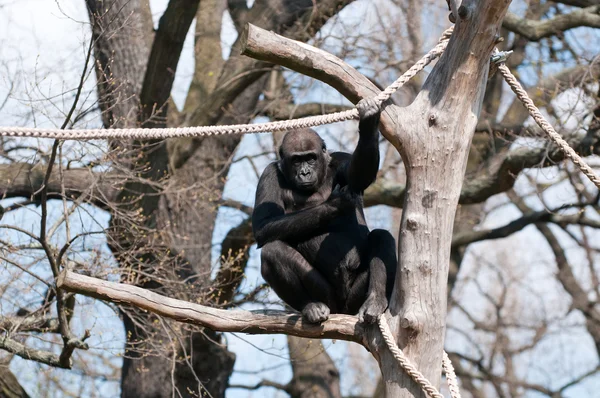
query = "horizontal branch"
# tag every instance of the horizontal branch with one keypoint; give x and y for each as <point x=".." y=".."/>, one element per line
<point x="26" y="180"/>
<point x="341" y="327"/>
<point x="536" y="30"/>
<point x="520" y="223"/>
<point x="577" y="3"/>
<point x="32" y="354"/>
<point x="498" y="175"/>
<point x="281" y="110"/>
<point x="29" y="323"/>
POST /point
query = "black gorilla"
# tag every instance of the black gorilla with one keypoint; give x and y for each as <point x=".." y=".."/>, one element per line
<point x="317" y="251"/>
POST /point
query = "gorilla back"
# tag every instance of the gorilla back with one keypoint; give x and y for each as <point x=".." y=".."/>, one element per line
<point x="317" y="252"/>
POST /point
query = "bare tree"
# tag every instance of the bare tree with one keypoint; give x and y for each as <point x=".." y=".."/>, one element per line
<point x="163" y="196"/>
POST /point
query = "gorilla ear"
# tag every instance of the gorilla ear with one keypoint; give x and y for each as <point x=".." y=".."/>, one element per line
<point x="324" y="148"/>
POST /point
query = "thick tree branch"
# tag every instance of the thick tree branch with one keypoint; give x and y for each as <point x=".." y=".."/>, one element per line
<point x="279" y="110"/>
<point x="164" y="57"/>
<point x="342" y="327"/>
<point x="26" y="180"/>
<point x="520" y="223"/>
<point x="435" y="133"/>
<point x="498" y="176"/>
<point x="32" y="354"/>
<point x="536" y="30"/>
<point x="311" y="61"/>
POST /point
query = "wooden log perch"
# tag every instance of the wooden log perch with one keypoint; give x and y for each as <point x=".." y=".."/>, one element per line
<point x="341" y="327"/>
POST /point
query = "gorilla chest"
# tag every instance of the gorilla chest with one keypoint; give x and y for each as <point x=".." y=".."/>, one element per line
<point x="295" y="201"/>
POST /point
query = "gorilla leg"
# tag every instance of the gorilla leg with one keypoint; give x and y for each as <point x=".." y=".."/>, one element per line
<point x="297" y="282"/>
<point x="373" y="288"/>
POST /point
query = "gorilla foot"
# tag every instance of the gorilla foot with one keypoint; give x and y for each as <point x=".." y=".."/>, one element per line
<point x="371" y="309"/>
<point x="315" y="312"/>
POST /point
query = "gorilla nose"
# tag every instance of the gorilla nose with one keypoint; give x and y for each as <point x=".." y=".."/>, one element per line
<point x="304" y="173"/>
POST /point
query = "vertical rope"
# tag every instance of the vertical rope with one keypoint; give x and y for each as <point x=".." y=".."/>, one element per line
<point x="450" y="376"/>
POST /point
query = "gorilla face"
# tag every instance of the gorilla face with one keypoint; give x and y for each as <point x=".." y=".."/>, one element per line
<point x="304" y="170"/>
<point x="304" y="160"/>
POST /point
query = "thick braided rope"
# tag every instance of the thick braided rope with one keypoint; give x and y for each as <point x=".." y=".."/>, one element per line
<point x="282" y="125"/>
<point x="412" y="371"/>
<point x="547" y="127"/>
<point x="450" y="376"/>
<point x="416" y="68"/>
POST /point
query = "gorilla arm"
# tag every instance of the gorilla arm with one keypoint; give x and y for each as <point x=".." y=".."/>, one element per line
<point x="364" y="163"/>
<point x="270" y="222"/>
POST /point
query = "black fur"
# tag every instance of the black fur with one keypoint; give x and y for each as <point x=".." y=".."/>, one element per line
<point x="317" y="251"/>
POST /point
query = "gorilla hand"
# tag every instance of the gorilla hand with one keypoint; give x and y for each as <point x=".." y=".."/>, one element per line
<point x="368" y="107"/>
<point x="344" y="199"/>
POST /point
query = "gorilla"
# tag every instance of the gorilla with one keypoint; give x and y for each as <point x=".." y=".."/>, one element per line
<point x="318" y="254"/>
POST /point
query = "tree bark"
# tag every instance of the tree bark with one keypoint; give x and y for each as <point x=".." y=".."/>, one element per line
<point x="434" y="134"/>
<point x="314" y="374"/>
<point x="9" y="385"/>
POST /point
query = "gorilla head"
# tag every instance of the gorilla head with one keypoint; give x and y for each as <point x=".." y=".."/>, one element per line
<point x="304" y="159"/>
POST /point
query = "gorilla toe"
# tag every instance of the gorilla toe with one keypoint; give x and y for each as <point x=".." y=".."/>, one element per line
<point x="371" y="309"/>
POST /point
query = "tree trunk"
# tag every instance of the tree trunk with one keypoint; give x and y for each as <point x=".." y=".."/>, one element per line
<point x="435" y="133"/>
<point x="121" y="64"/>
<point x="9" y="385"/>
<point x="314" y="373"/>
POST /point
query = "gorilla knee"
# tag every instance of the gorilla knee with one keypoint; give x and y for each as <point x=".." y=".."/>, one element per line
<point x="269" y="261"/>
<point x="381" y="237"/>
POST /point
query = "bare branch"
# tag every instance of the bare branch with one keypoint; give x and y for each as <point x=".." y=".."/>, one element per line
<point x="25" y="352"/>
<point x="278" y="110"/>
<point x="311" y="61"/>
<point x="29" y="323"/>
<point x="536" y="30"/>
<point x="261" y="384"/>
<point x="520" y="223"/>
<point x="499" y="175"/>
<point x="342" y="327"/>
<point x="26" y="180"/>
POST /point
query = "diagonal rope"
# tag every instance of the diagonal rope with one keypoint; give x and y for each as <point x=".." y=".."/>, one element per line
<point x="174" y="132"/>
<point x="547" y="127"/>
<point x="412" y="371"/>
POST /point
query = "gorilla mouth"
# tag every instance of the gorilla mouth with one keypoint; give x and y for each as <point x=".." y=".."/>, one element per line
<point x="306" y="184"/>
